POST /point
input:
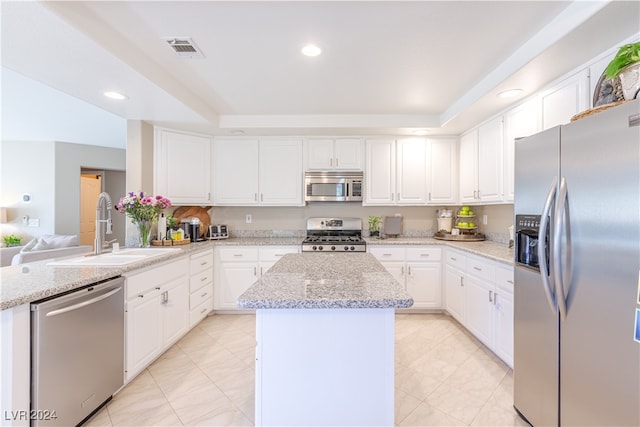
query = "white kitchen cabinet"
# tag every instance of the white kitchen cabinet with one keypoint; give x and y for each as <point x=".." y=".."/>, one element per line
<point x="481" y="164"/>
<point x="563" y="101"/>
<point x="418" y="269"/>
<point x="258" y="172"/>
<point x="238" y="267"/>
<point x="479" y="304"/>
<point x="182" y="166"/>
<point x="455" y="295"/>
<point x="200" y="286"/>
<point x="156" y="312"/>
<point x="519" y="122"/>
<point x="396" y="172"/>
<point x="333" y="154"/>
<point x="442" y="174"/>
<point x="503" y="305"/>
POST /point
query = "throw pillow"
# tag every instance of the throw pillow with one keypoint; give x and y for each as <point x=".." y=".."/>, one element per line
<point x="56" y="241"/>
<point x="29" y="246"/>
<point x="40" y="246"/>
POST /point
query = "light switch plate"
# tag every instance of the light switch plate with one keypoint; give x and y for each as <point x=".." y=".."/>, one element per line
<point x="34" y="222"/>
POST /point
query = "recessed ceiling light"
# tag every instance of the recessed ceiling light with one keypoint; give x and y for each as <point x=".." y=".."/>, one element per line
<point x="311" y="50"/>
<point x="509" y="93"/>
<point x="115" y="95"/>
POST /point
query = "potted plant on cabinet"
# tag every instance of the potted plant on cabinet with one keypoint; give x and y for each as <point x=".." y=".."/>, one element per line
<point x="626" y="66"/>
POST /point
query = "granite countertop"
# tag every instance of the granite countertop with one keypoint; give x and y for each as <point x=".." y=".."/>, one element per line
<point x="326" y="280"/>
<point x="33" y="281"/>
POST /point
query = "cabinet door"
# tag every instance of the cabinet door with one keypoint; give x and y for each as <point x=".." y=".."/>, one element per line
<point x="519" y="122"/>
<point x="455" y="294"/>
<point x="319" y="154"/>
<point x="503" y="303"/>
<point x="442" y="176"/>
<point x="348" y="154"/>
<point x="380" y="172"/>
<point x="564" y="101"/>
<point x="271" y="255"/>
<point x="175" y="308"/>
<point x="182" y="167"/>
<point x="490" y="164"/>
<point x="281" y="173"/>
<point x="235" y="172"/>
<point x="480" y="309"/>
<point x="411" y="171"/>
<point x="424" y="284"/>
<point x="235" y="279"/>
<point x="144" y="334"/>
<point x="396" y="269"/>
<point x="469" y="167"/>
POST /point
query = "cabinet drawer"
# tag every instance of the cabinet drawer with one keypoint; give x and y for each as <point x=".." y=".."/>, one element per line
<point x="138" y="283"/>
<point x="196" y="281"/>
<point x="201" y="261"/>
<point x="482" y="269"/>
<point x="424" y="254"/>
<point x="504" y="278"/>
<point x="200" y="312"/>
<point x="388" y="253"/>
<point x="239" y="254"/>
<point x="456" y="259"/>
<point x="199" y="296"/>
<point x="275" y="253"/>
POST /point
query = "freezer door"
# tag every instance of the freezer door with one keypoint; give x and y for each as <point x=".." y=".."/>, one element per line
<point x="600" y="361"/>
<point x="536" y="341"/>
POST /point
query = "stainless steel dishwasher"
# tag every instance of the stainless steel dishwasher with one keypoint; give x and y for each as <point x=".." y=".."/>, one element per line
<point x="77" y="356"/>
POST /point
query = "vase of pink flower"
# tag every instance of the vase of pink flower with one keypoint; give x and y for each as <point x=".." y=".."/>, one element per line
<point x="144" y="211"/>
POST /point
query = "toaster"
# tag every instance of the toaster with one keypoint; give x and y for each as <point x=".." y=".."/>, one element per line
<point x="218" y="231"/>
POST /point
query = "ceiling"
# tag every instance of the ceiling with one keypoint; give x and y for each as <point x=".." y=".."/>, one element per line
<point x="387" y="67"/>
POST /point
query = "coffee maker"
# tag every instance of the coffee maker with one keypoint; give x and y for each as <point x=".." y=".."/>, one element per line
<point x="191" y="228"/>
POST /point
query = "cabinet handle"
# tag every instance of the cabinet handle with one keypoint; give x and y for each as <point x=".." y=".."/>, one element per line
<point x="478" y="194"/>
<point x="409" y="271"/>
<point x="204" y="279"/>
<point x="402" y="271"/>
<point x="490" y="296"/>
<point x="261" y="197"/>
<point x="158" y="288"/>
<point x="386" y="254"/>
<point x="398" y="198"/>
<point x="203" y="311"/>
<point x="495" y="298"/>
<point x="140" y="296"/>
<point x="331" y="161"/>
<point x="392" y="197"/>
<point x="203" y="263"/>
<point x="424" y="254"/>
<point x="453" y="259"/>
<point x="510" y="282"/>
<point x="255" y="271"/>
<point x="237" y="254"/>
<point x="477" y="268"/>
<point x="255" y="197"/>
<point x="461" y="281"/>
<point x="204" y="295"/>
<point x="337" y="161"/>
<point x="261" y="273"/>
<point x="429" y="195"/>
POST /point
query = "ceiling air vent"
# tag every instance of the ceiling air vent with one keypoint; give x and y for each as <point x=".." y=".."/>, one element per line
<point x="184" y="47"/>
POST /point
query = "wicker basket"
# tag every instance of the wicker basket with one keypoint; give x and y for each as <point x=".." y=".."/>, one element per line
<point x="595" y="110"/>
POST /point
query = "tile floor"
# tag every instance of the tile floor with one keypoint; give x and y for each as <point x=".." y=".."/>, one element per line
<point x="444" y="377"/>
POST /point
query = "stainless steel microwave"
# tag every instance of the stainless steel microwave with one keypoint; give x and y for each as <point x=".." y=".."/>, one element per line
<point x="331" y="186"/>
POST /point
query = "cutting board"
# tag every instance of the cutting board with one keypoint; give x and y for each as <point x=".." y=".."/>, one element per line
<point x="194" y="211"/>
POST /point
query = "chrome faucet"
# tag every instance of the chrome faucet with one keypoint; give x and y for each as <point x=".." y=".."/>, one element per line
<point x="103" y="198"/>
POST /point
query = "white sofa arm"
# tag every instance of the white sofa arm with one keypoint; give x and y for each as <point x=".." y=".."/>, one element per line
<point x="32" y="256"/>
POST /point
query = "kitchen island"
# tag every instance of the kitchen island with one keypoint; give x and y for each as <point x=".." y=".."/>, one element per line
<point x="325" y="340"/>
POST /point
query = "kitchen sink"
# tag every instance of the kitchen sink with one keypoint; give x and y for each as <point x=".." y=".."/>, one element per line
<point x="122" y="257"/>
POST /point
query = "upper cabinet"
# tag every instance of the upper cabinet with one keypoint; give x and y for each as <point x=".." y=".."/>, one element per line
<point x="338" y="154"/>
<point x="410" y="171"/>
<point x="520" y="122"/>
<point x="182" y="167"/>
<point x="258" y="172"/>
<point x="565" y="100"/>
<point x="481" y="164"/>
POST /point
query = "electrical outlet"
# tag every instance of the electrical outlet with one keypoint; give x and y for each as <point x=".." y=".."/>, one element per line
<point x="485" y="219"/>
<point x="25" y="220"/>
<point x="248" y="219"/>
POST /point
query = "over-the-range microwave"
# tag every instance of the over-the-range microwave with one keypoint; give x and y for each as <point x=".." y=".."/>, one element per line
<point x="332" y="186"/>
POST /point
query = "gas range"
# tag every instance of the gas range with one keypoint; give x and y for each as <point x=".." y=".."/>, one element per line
<point x="334" y="235"/>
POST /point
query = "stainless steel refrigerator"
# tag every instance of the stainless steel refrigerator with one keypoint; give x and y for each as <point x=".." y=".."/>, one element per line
<point x="577" y="221"/>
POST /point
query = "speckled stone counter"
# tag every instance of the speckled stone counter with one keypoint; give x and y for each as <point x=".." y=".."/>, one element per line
<point x="496" y="251"/>
<point x="326" y="280"/>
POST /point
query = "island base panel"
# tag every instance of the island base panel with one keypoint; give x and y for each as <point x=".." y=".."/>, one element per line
<point x="330" y="367"/>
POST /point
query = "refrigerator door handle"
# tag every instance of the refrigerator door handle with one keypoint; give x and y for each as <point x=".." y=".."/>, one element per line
<point x="557" y="254"/>
<point x="547" y="281"/>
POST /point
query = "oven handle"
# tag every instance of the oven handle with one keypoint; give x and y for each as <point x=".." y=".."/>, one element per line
<point x="83" y="303"/>
<point x="548" y="284"/>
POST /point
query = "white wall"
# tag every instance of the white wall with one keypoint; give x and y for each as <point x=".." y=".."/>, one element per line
<point x="50" y="173"/>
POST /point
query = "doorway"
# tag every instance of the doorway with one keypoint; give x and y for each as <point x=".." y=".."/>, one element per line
<point x="92" y="183"/>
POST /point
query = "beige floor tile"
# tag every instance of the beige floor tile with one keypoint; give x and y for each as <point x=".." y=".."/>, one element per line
<point x="444" y="377"/>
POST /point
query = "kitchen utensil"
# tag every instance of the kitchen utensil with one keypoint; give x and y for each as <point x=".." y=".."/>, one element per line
<point x="202" y="213"/>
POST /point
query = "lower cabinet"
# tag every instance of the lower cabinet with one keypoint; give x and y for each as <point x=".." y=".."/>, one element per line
<point x="200" y="286"/>
<point x="238" y="267"/>
<point x="479" y="294"/>
<point x="156" y="312"/>
<point x="418" y="269"/>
